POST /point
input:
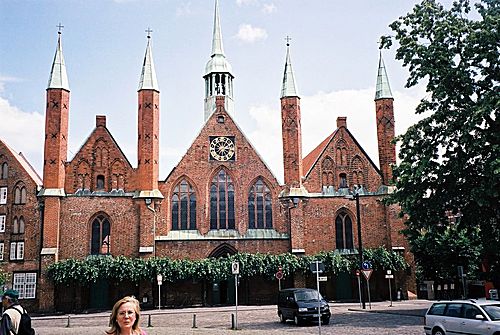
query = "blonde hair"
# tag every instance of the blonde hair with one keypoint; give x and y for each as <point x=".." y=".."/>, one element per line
<point x="115" y="328"/>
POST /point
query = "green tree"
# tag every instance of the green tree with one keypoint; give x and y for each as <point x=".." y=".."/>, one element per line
<point x="448" y="177"/>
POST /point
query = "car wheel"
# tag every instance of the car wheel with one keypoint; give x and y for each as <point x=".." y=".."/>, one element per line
<point x="282" y="318"/>
<point x="325" y="321"/>
<point x="296" y="320"/>
<point x="438" y="331"/>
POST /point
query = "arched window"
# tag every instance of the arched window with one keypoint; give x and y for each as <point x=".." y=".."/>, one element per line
<point x="183" y="207"/>
<point x="4" y="172"/>
<point x="17" y="195"/>
<point x="23" y="195"/>
<point x="343" y="232"/>
<point x="260" y="212"/>
<point x="222" y="201"/>
<point x="100" y="182"/>
<point x="15" y="226"/>
<point x="21" y="225"/>
<point x="100" y="243"/>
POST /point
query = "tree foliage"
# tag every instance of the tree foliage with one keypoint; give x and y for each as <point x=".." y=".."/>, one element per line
<point x="448" y="177"/>
<point x="120" y="268"/>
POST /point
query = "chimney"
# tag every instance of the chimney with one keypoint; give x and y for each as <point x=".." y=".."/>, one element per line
<point x="341" y="121"/>
<point x="100" y="121"/>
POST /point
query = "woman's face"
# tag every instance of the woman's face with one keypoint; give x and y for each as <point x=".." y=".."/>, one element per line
<point x="126" y="316"/>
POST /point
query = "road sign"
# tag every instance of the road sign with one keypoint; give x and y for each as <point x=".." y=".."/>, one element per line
<point x="366" y="265"/>
<point x="323" y="278"/>
<point x="367" y="273"/>
<point x="279" y="275"/>
<point x="357" y="273"/>
<point x="389" y="276"/>
<point x="321" y="267"/>
<point x="159" y="278"/>
<point x="235" y="268"/>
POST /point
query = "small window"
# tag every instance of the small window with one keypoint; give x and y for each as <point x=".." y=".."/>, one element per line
<point x="16" y="251"/>
<point x="3" y="195"/>
<point x="15" y="226"/>
<point x="4" y="172"/>
<point x="23" y="195"/>
<point x="343" y="180"/>
<point x="100" y="182"/>
<point x="2" y="223"/>
<point x="25" y="284"/>
<point x="21" y="225"/>
<point x="220" y="118"/>
<point x="1" y="251"/>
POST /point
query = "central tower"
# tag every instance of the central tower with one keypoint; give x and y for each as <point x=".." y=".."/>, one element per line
<point x="218" y="76"/>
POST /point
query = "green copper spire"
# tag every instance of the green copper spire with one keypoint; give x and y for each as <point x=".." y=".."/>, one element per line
<point x="289" y="87"/>
<point x="383" y="89"/>
<point x="58" y="77"/>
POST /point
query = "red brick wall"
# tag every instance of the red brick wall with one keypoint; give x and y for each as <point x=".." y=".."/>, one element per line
<point x="292" y="141"/>
<point x="385" y="135"/>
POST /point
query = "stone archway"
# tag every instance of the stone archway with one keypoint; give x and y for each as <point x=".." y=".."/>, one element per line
<point x="222" y="292"/>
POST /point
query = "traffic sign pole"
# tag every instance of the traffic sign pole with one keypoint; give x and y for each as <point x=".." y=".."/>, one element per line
<point x="359" y="287"/>
<point x="319" y="300"/>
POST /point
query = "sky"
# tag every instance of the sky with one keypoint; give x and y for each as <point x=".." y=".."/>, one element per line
<point x="334" y="54"/>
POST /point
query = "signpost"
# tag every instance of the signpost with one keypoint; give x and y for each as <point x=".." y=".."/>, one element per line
<point x="389" y="276"/>
<point x="279" y="276"/>
<point x="358" y="275"/>
<point x="367" y="272"/>
<point x="318" y="267"/>
<point x="159" y="279"/>
<point x="235" y="268"/>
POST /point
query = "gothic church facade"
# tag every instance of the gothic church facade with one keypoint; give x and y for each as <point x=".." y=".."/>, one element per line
<point x="221" y="198"/>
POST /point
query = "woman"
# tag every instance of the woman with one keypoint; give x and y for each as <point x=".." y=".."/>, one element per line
<point x="125" y="318"/>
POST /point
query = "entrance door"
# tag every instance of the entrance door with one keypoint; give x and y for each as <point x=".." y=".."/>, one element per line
<point x="343" y="288"/>
<point x="99" y="297"/>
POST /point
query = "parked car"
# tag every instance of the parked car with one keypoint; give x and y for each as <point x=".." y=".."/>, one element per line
<point x="480" y="317"/>
<point x="301" y="305"/>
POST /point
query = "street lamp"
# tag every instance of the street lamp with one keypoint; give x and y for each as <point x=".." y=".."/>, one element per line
<point x="360" y="244"/>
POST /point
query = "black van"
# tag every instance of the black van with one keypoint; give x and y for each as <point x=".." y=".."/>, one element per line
<point x="301" y="304"/>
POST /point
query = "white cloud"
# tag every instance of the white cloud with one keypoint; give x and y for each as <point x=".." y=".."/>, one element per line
<point x="22" y="131"/>
<point x="268" y="8"/>
<point x="319" y="119"/>
<point x="5" y="79"/>
<point x="249" y="34"/>
<point x="246" y="2"/>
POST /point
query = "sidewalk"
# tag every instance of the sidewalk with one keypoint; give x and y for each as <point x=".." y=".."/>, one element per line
<point x="404" y="307"/>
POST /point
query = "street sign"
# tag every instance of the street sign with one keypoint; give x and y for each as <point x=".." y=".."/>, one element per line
<point x="159" y="278"/>
<point x="323" y="278"/>
<point x="321" y="267"/>
<point x="235" y="268"/>
<point x="366" y="265"/>
<point x="279" y="275"/>
<point x="357" y="273"/>
<point x="389" y="276"/>
<point x="367" y="273"/>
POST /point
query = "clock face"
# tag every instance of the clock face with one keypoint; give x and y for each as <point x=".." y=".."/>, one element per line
<point x="222" y="148"/>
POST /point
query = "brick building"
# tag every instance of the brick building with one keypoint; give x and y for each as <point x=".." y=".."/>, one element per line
<point x="221" y="198"/>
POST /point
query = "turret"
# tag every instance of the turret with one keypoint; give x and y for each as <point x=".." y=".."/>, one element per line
<point x="218" y="76"/>
<point x="385" y="123"/>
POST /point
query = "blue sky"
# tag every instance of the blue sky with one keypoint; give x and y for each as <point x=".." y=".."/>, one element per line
<point x="334" y="54"/>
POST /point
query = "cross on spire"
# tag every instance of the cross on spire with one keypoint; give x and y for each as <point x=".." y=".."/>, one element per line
<point x="288" y="39"/>
<point x="60" y="27"/>
<point x="149" y="31"/>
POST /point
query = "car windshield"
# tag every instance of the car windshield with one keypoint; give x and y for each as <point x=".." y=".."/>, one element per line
<point x="307" y="295"/>
<point x="493" y="311"/>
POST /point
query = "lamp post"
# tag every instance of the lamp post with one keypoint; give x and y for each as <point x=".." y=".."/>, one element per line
<point x="360" y="244"/>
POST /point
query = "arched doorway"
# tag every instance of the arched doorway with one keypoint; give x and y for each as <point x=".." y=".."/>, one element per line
<point x="222" y="292"/>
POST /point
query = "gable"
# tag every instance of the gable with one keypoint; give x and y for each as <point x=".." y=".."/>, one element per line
<point x="22" y="161"/>
<point x="339" y="161"/>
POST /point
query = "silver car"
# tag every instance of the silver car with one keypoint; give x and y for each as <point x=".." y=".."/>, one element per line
<point x="478" y="317"/>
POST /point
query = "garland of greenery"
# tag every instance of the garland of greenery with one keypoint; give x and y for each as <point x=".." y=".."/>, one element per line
<point x="121" y="268"/>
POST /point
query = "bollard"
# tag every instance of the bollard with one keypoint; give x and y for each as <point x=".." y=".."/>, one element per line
<point x="194" y="321"/>
<point x="149" y="321"/>
<point x="69" y="322"/>
<point x="232" y="321"/>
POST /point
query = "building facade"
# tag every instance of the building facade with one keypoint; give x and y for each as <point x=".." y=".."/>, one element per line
<point x="220" y="199"/>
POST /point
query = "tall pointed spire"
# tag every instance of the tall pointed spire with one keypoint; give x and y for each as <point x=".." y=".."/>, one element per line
<point x="218" y="77"/>
<point x="383" y="89"/>
<point x="148" y="79"/>
<point x="58" y="77"/>
<point x="217" y="46"/>
<point x="289" y="87"/>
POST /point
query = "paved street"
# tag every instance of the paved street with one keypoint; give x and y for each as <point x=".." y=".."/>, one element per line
<point x="404" y="318"/>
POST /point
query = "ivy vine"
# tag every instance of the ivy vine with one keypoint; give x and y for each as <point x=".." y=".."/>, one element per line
<point x="122" y="268"/>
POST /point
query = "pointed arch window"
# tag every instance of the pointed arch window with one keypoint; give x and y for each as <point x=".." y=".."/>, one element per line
<point x="4" y="172"/>
<point x="343" y="232"/>
<point x="260" y="212"/>
<point x="100" y="240"/>
<point x="20" y="195"/>
<point x="222" y="201"/>
<point x="183" y="207"/>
